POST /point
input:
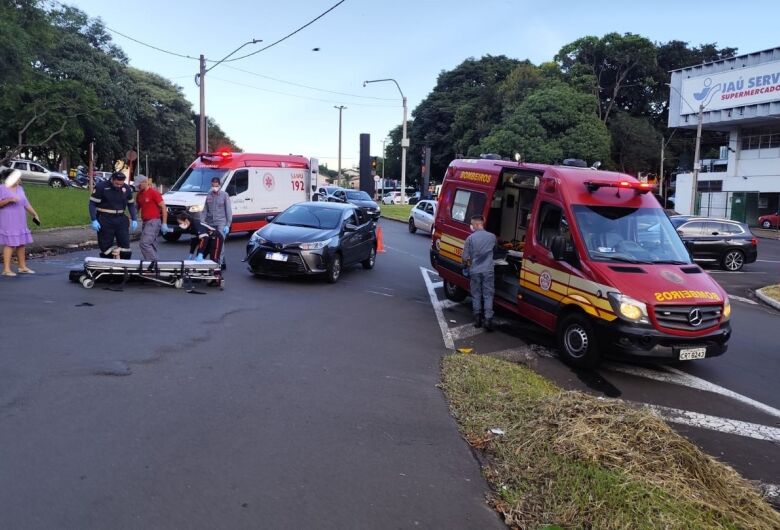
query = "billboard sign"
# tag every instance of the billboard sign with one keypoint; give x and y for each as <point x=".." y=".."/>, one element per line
<point x="732" y="88"/>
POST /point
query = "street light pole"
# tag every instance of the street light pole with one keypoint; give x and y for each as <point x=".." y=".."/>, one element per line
<point x="404" y="139"/>
<point x="340" y="109"/>
<point x="200" y="79"/>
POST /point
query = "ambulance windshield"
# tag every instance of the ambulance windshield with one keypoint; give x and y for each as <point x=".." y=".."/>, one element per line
<point x="198" y="179"/>
<point x="633" y="235"/>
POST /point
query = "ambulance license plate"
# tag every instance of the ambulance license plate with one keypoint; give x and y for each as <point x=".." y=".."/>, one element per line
<point x="276" y="256"/>
<point x="689" y="354"/>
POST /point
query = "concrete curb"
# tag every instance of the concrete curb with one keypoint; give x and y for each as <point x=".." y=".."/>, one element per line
<point x="766" y="299"/>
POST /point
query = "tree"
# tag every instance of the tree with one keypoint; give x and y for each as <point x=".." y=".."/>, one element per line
<point x="636" y="144"/>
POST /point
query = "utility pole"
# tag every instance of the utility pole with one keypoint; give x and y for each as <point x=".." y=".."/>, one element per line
<point x="340" y="109"/>
<point x="137" y="152"/>
<point x="696" y="162"/>
<point x="202" y="140"/>
<point x="91" y="167"/>
<point x="147" y="164"/>
<point x="404" y="139"/>
<point x="661" y="173"/>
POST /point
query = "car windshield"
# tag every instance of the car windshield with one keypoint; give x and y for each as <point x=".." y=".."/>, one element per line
<point x="633" y="235"/>
<point x="198" y="179"/>
<point x="310" y="216"/>
<point x="358" y="196"/>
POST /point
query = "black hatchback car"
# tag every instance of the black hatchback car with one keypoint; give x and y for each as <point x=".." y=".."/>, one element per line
<point x="361" y="199"/>
<point x="313" y="238"/>
<point x="727" y="243"/>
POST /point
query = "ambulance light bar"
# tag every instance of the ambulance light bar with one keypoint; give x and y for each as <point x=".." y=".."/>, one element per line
<point x="212" y="157"/>
<point x="639" y="187"/>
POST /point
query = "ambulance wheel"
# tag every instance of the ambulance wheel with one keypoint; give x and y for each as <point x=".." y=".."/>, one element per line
<point x="453" y="292"/>
<point x="577" y="342"/>
<point x="334" y="269"/>
<point x="179" y="283"/>
<point x="412" y="226"/>
<point x="171" y="236"/>
<point x="87" y="283"/>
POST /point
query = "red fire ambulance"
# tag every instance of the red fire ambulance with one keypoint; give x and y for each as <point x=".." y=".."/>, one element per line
<point x="259" y="185"/>
<point x="589" y="255"/>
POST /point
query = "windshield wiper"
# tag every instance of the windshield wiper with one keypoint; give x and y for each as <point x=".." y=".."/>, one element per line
<point x="624" y="260"/>
<point x="669" y="262"/>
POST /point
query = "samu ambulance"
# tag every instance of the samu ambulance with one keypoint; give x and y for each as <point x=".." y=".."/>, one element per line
<point x="589" y="255"/>
<point x="259" y="186"/>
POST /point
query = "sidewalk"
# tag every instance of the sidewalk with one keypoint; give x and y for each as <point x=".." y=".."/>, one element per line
<point x="766" y="234"/>
<point x="59" y="240"/>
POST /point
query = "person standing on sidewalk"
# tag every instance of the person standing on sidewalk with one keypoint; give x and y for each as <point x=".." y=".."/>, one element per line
<point x="107" y="210"/>
<point x="217" y="211"/>
<point x="478" y="257"/>
<point x="154" y="216"/>
<point x="14" y="234"/>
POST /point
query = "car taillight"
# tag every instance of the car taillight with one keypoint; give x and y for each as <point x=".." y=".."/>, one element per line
<point x="754" y="242"/>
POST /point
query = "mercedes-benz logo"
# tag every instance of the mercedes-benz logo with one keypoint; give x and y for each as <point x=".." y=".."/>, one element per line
<point x="694" y="317"/>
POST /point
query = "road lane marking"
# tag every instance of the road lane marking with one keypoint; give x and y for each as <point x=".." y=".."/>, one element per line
<point x="381" y="294"/>
<point x="449" y="343"/>
<point x="768" y="261"/>
<point x="741" y="299"/>
<point x="678" y="377"/>
<point x="714" y="423"/>
<point x="438" y="285"/>
<point x="449" y="304"/>
<point x="465" y="331"/>
<point x="394" y="249"/>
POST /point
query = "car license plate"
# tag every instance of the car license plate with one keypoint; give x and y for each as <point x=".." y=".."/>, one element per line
<point x="689" y="354"/>
<point x="276" y="256"/>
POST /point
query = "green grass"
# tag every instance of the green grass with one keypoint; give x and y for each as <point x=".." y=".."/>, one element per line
<point x="397" y="211"/>
<point x="772" y="291"/>
<point x="58" y="208"/>
<point x="572" y="460"/>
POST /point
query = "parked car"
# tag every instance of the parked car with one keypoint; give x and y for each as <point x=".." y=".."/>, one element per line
<point x="393" y="197"/>
<point x="415" y="197"/>
<point x="313" y="238"/>
<point x="770" y="221"/>
<point x="327" y="192"/>
<point x="727" y="243"/>
<point x="34" y="172"/>
<point x="361" y="199"/>
<point x="422" y="216"/>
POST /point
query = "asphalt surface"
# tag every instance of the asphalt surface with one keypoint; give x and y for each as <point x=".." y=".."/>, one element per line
<point x="271" y="404"/>
<point x="765" y="271"/>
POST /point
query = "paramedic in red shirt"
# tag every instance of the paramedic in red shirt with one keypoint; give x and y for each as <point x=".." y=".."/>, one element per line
<point x="154" y="215"/>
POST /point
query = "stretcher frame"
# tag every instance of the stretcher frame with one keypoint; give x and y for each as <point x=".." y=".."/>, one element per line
<point x="171" y="273"/>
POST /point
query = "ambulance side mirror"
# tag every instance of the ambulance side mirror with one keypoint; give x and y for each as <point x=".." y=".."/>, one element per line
<point x="560" y="250"/>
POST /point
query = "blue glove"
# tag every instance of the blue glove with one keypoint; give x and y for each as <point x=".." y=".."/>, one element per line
<point x="96" y="225"/>
<point x="226" y="230"/>
<point x="133" y="225"/>
<point x="199" y="257"/>
<point x="165" y="229"/>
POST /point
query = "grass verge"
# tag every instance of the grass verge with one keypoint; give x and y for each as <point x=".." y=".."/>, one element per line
<point x="772" y="291"/>
<point x="573" y="460"/>
<point x="399" y="212"/>
<point x="58" y="207"/>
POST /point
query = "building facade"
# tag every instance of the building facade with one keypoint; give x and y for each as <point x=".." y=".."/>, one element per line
<point x="739" y="96"/>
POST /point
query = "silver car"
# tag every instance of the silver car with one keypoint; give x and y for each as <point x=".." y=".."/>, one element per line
<point x="422" y="216"/>
<point x="33" y="172"/>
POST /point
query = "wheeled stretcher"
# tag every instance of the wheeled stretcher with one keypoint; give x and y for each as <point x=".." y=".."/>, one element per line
<point x="176" y="274"/>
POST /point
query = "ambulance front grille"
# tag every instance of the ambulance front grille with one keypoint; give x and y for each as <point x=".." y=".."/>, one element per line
<point x="687" y="317"/>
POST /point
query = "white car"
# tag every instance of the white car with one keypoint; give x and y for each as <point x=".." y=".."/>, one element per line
<point x="35" y="173"/>
<point x="422" y="216"/>
<point x="394" y="197"/>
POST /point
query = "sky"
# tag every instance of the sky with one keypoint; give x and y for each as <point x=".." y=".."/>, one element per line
<point x="265" y="108"/>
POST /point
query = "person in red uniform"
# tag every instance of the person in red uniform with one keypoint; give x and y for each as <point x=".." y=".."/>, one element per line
<point x="154" y="215"/>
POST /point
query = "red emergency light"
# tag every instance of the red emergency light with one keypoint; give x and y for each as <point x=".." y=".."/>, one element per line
<point x="639" y="187"/>
<point x="216" y="157"/>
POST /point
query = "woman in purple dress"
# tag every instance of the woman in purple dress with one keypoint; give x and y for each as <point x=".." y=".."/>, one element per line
<point x="14" y="233"/>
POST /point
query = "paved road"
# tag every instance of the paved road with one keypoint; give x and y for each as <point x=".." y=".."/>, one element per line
<point x="765" y="271"/>
<point x="273" y="404"/>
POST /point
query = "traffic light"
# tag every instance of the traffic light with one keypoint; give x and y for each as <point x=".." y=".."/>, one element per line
<point x="373" y="163"/>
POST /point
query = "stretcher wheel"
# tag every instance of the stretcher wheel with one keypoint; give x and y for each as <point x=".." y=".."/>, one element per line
<point x="87" y="283"/>
<point x="179" y="283"/>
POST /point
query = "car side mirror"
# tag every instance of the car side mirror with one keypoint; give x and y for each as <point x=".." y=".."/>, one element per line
<point x="560" y="250"/>
<point x="349" y="227"/>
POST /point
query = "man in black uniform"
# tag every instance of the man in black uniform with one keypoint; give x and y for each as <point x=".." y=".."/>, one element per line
<point x="107" y="210"/>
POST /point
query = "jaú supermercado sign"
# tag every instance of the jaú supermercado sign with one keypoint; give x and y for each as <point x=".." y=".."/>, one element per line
<point x="732" y="88"/>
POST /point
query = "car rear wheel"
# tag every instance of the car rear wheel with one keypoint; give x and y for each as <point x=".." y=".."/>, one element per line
<point x="453" y="292"/>
<point x="334" y="269"/>
<point x="171" y="236"/>
<point x="766" y="224"/>
<point x="412" y="226"/>
<point x="733" y="260"/>
<point x="370" y="261"/>
<point x="577" y="342"/>
<point x="56" y="183"/>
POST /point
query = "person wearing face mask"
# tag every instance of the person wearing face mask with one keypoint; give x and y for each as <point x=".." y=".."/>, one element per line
<point x="206" y="242"/>
<point x="14" y="234"/>
<point x="217" y="211"/>
<point x="478" y="257"/>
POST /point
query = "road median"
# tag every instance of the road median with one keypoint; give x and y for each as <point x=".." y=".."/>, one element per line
<point x="770" y="295"/>
<point x="564" y="458"/>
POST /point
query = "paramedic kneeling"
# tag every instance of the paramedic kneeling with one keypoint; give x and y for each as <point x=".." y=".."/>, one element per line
<point x="478" y="257"/>
<point x="154" y="216"/>
<point x="207" y="241"/>
<point x="107" y="206"/>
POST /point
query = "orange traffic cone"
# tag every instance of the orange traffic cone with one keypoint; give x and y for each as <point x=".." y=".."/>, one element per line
<point x="380" y="247"/>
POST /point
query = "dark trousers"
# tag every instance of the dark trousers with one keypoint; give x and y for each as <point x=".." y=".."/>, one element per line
<point x="211" y="248"/>
<point x="113" y="228"/>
